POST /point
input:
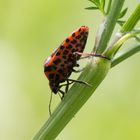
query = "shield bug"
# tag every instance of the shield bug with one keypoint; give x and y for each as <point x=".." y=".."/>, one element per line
<point x="59" y="66"/>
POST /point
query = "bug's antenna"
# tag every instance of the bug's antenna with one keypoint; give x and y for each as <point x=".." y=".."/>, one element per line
<point x="50" y="104"/>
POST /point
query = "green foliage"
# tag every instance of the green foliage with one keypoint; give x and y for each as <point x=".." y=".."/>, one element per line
<point x="122" y="14"/>
<point x="97" y="5"/>
<point x="92" y="8"/>
<point x="101" y="4"/>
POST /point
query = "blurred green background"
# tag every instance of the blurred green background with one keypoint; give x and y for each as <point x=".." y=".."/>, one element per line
<point x="29" y="31"/>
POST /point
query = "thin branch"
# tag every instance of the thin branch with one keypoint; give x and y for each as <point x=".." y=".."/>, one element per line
<point x="125" y="54"/>
<point x="110" y="52"/>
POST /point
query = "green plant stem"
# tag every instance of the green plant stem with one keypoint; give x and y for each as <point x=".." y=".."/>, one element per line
<point x="132" y="20"/>
<point x="106" y="29"/>
<point x="108" y="8"/>
<point x="110" y="52"/>
<point x="93" y="74"/>
<point x="125" y="54"/>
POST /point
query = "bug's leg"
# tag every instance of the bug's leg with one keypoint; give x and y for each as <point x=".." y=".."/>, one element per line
<point x="64" y="85"/>
<point x="101" y="56"/>
<point x="78" y="81"/>
<point x="77" y="64"/>
<point x="66" y="89"/>
<point x="67" y="86"/>
<point x="87" y="55"/>
<point x="63" y="93"/>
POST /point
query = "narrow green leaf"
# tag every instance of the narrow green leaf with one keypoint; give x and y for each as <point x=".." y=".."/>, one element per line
<point x="120" y="22"/>
<point x="123" y="55"/>
<point x="91" y="8"/>
<point x="123" y="13"/>
<point x="96" y="2"/>
<point x="102" y="4"/>
<point x="91" y="1"/>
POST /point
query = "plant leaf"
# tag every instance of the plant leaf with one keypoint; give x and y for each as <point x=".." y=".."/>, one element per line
<point x="120" y="22"/>
<point x="91" y="8"/>
<point x="102" y="4"/>
<point x="123" y="13"/>
<point x="96" y="2"/>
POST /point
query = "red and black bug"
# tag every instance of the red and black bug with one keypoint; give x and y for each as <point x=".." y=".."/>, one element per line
<point x="59" y="66"/>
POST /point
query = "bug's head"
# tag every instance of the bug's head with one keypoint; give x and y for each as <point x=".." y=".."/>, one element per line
<point x="54" y="87"/>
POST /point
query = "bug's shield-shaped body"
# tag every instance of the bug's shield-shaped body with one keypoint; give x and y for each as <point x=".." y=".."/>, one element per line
<point x="59" y="66"/>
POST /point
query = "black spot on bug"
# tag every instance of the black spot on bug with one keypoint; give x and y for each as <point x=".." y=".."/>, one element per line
<point x="57" y="61"/>
<point x="67" y="40"/>
<point x="54" y="67"/>
<point x="64" y="56"/>
<point x="58" y="53"/>
<point x="60" y="71"/>
<point x="78" y="37"/>
<point x="77" y="45"/>
<point x="73" y="50"/>
<point x="65" y="52"/>
<point x="63" y="74"/>
<point x="82" y="33"/>
<point x="57" y="77"/>
<point x="73" y="34"/>
<point x="48" y="69"/>
<point x="86" y="33"/>
<point x="83" y="47"/>
<point x="83" y="39"/>
<point x="61" y="47"/>
<point x="69" y="60"/>
<point x="73" y="41"/>
<point x="51" y="76"/>
<point x="69" y="46"/>
<point x="70" y="55"/>
<point x="62" y="65"/>
<point x="65" y="62"/>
